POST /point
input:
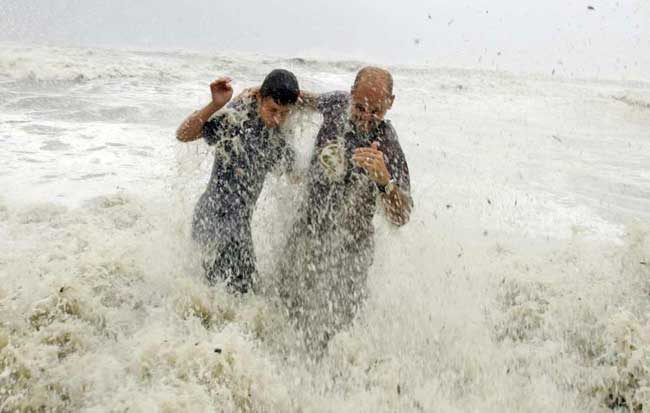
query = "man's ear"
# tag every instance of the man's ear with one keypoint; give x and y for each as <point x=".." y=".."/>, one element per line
<point x="390" y="101"/>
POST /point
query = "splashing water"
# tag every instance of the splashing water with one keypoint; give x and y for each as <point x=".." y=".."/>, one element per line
<point x="522" y="282"/>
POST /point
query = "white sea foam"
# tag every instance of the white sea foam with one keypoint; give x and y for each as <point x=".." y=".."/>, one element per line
<point x="521" y="283"/>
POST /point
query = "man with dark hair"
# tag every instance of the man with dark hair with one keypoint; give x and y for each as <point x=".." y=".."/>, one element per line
<point x="357" y="161"/>
<point x="247" y="146"/>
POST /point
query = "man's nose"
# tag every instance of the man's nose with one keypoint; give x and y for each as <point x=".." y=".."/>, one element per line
<point x="367" y="116"/>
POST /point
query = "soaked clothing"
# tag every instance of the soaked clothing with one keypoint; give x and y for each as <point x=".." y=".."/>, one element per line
<point x="331" y="245"/>
<point x="245" y="151"/>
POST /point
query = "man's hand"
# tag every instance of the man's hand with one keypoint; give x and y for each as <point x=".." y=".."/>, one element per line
<point x="191" y="127"/>
<point x="221" y="91"/>
<point x="372" y="160"/>
<point x="397" y="204"/>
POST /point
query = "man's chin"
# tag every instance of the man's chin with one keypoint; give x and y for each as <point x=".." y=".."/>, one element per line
<point x="364" y="127"/>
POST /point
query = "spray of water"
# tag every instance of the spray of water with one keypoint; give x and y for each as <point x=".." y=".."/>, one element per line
<point x="520" y="284"/>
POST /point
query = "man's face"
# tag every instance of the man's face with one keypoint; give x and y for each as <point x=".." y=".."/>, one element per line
<point x="272" y="113"/>
<point x="370" y="103"/>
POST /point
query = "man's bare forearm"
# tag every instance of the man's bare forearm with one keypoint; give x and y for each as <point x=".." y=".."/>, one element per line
<point x="308" y="100"/>
<point x="192" y="126"/>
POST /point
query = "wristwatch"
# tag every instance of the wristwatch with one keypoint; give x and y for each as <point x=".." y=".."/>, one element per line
<point x="389" y="187"/>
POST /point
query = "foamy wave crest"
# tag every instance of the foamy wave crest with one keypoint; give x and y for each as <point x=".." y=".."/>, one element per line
<point x="79" y="65"/>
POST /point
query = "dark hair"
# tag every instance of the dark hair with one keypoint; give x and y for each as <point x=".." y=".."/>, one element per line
<point x="282" y="86"/>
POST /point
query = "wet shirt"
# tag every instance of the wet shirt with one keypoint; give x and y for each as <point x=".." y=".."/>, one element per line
<point x="342" y="197"/>
<point x="244" y="152"/>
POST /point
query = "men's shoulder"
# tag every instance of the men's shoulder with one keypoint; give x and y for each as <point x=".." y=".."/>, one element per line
<point x="336" y="95"/>
<point x="239" y="109"/>
<point x="390" y="143"/>
<point x="244" y="103"/>
<point x="332" y="101"/>
<point x="236" y="111"/>
<point x="388" y="131"/>
<point x="397" y="165"/>
<point x="227" y="121"/>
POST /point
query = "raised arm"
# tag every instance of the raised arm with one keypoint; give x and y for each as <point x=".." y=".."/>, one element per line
<point x="192" y="126"/>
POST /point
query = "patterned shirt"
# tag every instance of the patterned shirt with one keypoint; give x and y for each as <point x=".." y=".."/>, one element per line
<point x="342" y="197"/>
<point x="245" y="151"/>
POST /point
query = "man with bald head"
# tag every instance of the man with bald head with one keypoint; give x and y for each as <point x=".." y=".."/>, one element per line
<point x="357" y="161"/>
